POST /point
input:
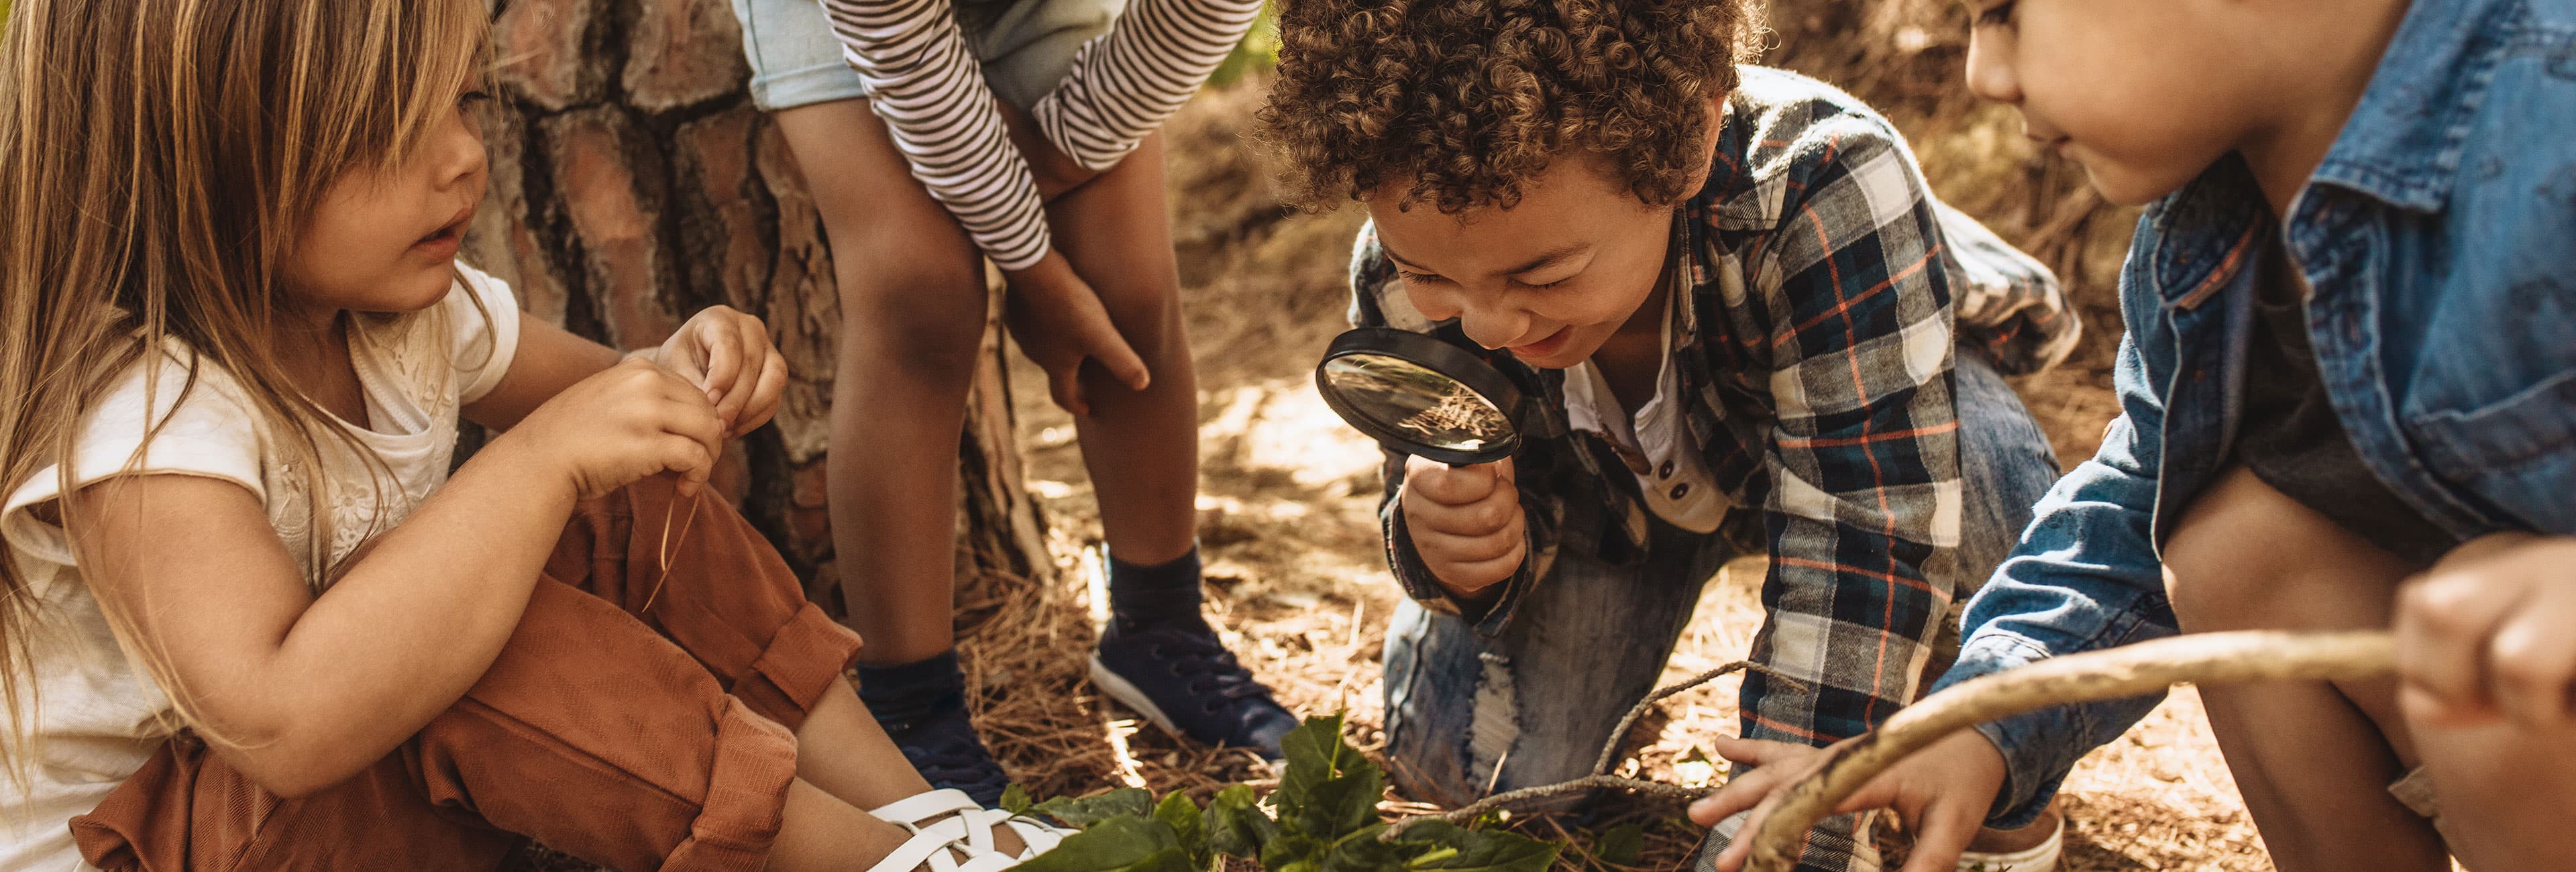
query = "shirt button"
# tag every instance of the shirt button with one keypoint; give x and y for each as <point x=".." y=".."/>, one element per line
<point x="1665" y="471"/>
<point x="1681" y="490"/>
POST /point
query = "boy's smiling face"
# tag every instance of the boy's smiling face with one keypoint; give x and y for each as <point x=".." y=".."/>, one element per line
<point x="1551" y="278"/>
<point x="2148" y="95"/>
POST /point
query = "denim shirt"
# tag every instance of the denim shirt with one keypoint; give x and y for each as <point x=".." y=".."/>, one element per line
<point x="2437" y="234"/>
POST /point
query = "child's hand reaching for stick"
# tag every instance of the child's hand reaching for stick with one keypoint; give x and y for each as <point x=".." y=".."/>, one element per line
<point x="1941" y="793"/>
<point x="728" y="353"/>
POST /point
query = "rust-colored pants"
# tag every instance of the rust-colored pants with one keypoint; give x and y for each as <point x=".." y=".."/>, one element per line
<point x="635" y="738"/>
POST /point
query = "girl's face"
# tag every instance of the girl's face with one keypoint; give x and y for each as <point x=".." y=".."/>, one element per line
<point x="385" y="240"/>
<point x="1551" y="278"/>
<point x="2144" y="95"/>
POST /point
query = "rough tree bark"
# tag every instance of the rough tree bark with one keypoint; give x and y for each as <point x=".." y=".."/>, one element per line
<point x="633" y="184"/>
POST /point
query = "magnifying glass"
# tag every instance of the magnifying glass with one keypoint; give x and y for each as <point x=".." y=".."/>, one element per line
<point x="1421" y="395"/>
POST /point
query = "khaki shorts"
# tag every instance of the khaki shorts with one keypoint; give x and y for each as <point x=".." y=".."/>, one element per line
<point x="1025" y="45"/>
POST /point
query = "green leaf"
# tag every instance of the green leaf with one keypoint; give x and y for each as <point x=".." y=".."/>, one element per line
<point x="1621" y="846"/>
<point x="1327" y="789"/>
<point x="1119" y="843"/>
<point x="1360" y="851"/>
<point x="1088" y="810"/>
<point x="1173" y="859"/>
<point x="1236" y="825"/>
<point x="1015" y="800"/>
<point x="1340" y="806"/>
<point x="1311" y="749"/>
<point x="1293" y="852"/>
<point x="1477" y="850"/>
<point x="1182" y="815"/>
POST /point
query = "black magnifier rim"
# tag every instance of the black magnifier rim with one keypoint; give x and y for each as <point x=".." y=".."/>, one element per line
<point x="1438" y="356"/>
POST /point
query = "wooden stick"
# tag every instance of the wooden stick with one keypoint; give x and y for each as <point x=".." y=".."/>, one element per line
<point x="1610" y="749"/>
<point x="1600" y="777"/>
<point x="1477" y="809"/>
<point x="2129" y="670"/>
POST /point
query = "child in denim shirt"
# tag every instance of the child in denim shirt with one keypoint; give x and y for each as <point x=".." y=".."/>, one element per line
<point x="2349" y="396"/>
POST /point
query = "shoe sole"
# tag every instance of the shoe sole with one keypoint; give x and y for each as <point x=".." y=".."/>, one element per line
<point x="1127" y="694"/>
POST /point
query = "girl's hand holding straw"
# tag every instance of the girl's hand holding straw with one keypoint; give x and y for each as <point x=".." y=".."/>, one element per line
<point x="632" y="420"/>
<point x="728" y="353"/>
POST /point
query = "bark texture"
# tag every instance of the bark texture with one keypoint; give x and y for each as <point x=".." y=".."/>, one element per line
<point x="633" y="184"/>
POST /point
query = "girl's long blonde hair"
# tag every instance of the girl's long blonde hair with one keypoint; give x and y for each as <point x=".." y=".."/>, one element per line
<point x="157" y="160"/>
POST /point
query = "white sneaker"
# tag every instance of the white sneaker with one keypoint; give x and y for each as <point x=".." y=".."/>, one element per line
<point x="2039" y="858"/>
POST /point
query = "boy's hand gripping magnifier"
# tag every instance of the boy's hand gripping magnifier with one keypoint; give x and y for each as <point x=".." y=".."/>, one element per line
<point x="1421" y="395"/>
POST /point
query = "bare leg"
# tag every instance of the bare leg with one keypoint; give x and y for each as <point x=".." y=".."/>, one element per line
<point x="913" y="301"/>
<point x="852" y="761"/>
<point x="2313" y="759"/>
<point x="2507" y="793"/>
<point x="1141" y="448"/>
<point x="851" y="757"/>
<point x="818" y="831"/>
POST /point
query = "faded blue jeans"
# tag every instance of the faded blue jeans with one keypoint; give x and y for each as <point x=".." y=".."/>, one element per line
<point x="1465" y="719"/>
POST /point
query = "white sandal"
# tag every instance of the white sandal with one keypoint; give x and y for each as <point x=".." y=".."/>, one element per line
<point x="937" y="849"/>
<point x="960" y="817"/>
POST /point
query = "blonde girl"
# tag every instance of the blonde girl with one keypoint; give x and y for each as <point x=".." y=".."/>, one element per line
<point x="250" y="620"/>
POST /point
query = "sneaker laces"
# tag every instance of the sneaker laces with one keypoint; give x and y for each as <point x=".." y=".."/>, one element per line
<point x="1193" y="653"/>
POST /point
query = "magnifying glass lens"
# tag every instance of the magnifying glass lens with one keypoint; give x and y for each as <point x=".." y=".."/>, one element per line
<point x="1417" y="401"/>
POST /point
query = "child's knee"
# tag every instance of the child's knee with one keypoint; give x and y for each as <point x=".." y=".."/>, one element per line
<point x="2244" y="556"/>
<point x="926" y="315"/>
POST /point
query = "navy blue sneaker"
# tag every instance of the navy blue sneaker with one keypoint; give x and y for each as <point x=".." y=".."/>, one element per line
<point x="942" y="745"/>
<point x="1179" y="676"/>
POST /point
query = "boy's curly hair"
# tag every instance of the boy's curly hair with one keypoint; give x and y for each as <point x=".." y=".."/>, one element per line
<point x="1464" y="100"/>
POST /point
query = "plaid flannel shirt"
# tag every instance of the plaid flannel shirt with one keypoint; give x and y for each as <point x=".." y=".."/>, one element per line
<point x="1817" y="284"/>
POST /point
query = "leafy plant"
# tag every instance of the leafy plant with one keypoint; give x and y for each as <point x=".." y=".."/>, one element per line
<point x="1322" y="818"/>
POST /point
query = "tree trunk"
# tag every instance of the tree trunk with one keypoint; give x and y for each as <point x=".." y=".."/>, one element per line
<point x="634" y="184"/>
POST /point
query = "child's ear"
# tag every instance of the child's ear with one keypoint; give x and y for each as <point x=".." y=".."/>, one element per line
<point x="1716" y="126"/>
<point x="1706" y="152"/>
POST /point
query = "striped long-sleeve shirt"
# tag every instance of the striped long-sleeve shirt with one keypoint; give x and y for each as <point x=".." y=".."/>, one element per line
<point x="926" y="84"/>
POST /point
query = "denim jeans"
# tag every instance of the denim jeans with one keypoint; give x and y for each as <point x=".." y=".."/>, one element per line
<point x="1465" y="719"/>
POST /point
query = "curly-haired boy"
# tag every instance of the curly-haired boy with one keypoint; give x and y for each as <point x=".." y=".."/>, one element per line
<point x="1753" y="330"/>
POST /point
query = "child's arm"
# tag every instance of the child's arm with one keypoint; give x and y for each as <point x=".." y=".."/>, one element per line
<point x="2083" y="578"/>
<point x="1127" y="82"/>
<point x="1482" y="557"/>
<point x="728" y="353"/>
<point x="300" y="691"/>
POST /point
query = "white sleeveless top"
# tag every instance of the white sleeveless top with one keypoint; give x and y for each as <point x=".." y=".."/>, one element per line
<point x="98" y="715"/>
